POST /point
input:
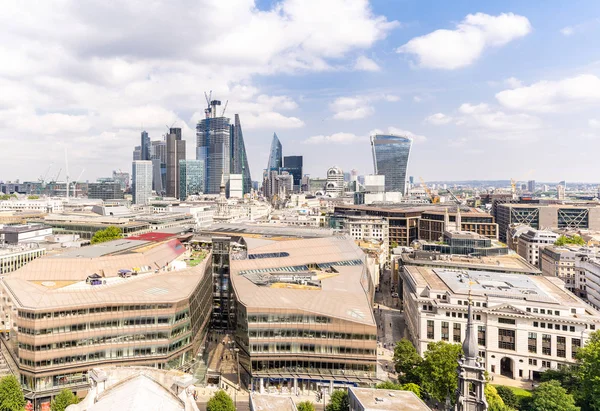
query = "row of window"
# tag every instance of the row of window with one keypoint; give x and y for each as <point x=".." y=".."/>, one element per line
<point x="295" y="333"/>
<point x="127" y="322"/>
<point x="544" y="311"/>
<point x="309" y="349"/>
<point x="93" y="310"/>
<point x="108" y="339"/>
<point x="456" y="332"/>
<point x="290" y="318"/>
<point x="313" y="367"/>
<point x="561" y="345"/>
<point x="477" y="317"/>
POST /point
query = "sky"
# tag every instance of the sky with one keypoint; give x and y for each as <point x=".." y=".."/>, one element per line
<point x="487" y="90"/>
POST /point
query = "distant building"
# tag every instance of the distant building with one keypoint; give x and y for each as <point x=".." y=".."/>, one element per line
<point x="466" y="243"/>
<point x="158" y="154"/>
<point x="13" y="258"/>
<point x="145" y="146"/>
<point x="107" y="190"/>
<point x="239" y="158"/>
<point x="141" y="181"/>
<point x="531" y="186"/>
<point x="137" y="153"/>
<point x="213" y="147"/>
<point x="293" y="165"/>
<point x="15" y="234"/>
<point x="374" y="183"/>
<point x="236" y="186"/>
<point x="560" y="192"/>
<point x="122" y="178"/>
<point x="530" y="242"/>
<point x="275" y="154"/>
<point x="335" y="182"/>
<point x="567" y="263"/>
<point x="390" y="158"/>
<point x="191" y="178"/>
<point x="175" y="153"/>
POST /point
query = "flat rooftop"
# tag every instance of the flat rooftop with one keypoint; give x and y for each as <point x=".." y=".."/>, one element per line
<point x="267" y="231"/>
<point x="265" y="402"/>
<point x="509" y="262"/>
<point x="103" y="249"/>
<point x="373" y="399"/>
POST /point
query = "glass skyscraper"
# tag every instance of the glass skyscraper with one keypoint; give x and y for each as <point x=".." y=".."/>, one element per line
<point x="213" y="148"/>
<point x="275" y="156"/>
<point x="191" y="178"/>
<point x="239" y="159"/>
<point x="293" y="165"/>
<point x="390" y="158"/>
<point x="145" y="146"/>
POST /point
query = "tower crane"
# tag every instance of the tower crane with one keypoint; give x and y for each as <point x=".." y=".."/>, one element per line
<point x="433" y="198"/>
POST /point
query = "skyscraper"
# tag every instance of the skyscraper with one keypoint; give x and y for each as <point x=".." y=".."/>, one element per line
<point x="191" y="178"/>
<point x="175" y="153"/>
<point x="531" y="186"/>
<point x="145" y="146"/>
<point x="213" y="148"/>
<point x="293" y="165"/>
<point x="137" y="153"/>
<point x="275" y="156"/>
<point x="390" y="158"/>
<point x="239" y="159"/>
<point x="141" y="181"/>
<point x="158" y="155"/>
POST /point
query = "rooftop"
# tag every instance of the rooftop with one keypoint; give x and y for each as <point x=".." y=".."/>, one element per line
<point x="268" y="231"/>
<point x="500" y="263"/>
<point x="388" y="400"/>
<point x="265" y="402"/>
<point x="343" y="293"/>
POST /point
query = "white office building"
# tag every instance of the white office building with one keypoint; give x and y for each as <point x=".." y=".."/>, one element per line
<point x="529" y="243"/>
<point x="236" y="186"/>
<point x="335" y="182"/>
<point x="41" y="205"/>
<point x="142" y="181"/>
<point x="526" y="324"/>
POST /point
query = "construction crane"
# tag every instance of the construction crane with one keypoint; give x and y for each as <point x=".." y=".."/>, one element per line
<point x="456" y="200"/>
<point x="224" y="108"/>
<point x="57" y="175"/>
<point x="75" y="183"/>
<point x="43" y="179"/>
<point x="433" y="198"/>
<point x="208" y="108"/>
<point x="513" y="185"/>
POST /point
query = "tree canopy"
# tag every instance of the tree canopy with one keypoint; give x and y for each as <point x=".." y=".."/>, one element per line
<point x="574" y="239"/>
<point x="108" y="234"/>
<point x="550" y="396"/>
<point x="11" y="395"/>
<point x="220" y="402"/>
<point x="438" y="370"/>
<point x="305" y="406"/>
<point x="406" y="361"/>
<point x="388" y="385"/>
<point x="495" y="402"/>
<point x="338" y="401"/>
<point x="63" y="400"/>
<point x="508" y="396"/>
<point x="7" y="196"/>
<point x="588" y="374"/>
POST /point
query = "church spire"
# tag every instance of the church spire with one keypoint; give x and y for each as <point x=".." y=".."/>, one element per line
<point x="470" y="343"/>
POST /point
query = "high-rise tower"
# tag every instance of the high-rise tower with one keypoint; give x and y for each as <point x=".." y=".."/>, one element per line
<point x="145" y="146"/>
<point x="213" y="147"/>
<point x="141" y="181"/>
<point x="275" y="155"/>
<point x="239" y="159"/>
<point x="175" y="153"/>
<point x="390" y="158"/>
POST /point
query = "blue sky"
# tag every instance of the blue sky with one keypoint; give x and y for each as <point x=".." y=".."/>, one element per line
<point x="511" y="89"/>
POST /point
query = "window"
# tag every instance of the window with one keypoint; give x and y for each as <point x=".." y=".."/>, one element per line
<point x="546" y="364"/>
<point x="556" y="312"/>
<point x="456" y="332"/>
<point x="454" y="315"/>
<point x="575" y="345"/>
<point x="565" y="328"/>
<point x="445" y="331"/>
<point x="572" y="328"/>
<point x="528" y="309"/>
<point x="535" y="324"/>
<point x="532" y="342"/>
<point x="506" y="321"/>
<point x="546" y="344"/>
<point x="532" y="361"/>
<point x="506" y="339"/>
<point x="481" y="335"/>
<point x="542" y="311"/>
<point x="430" y="332"/>
<point x="447" y="314"/>
<point x="478" y="317"/>
<point x="561" y="347"/>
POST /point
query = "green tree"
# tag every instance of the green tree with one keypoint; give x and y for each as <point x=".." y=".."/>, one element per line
<point x="412" y="388"/>
<point x="495" y="402"/>
<point x="33" y="197"/>
<point x="305" y="406"/>
<point x="575" y="239"/>
<point x="388" y="385"/>
<point x="393" y="244"/>
<point x="566" y="376"/>
<point x="588" y="374"/>
<point x="63" y="400"/>
<point x="550" y="396"/>
<point x="7" y="196"/>
<point x="108" y="234"/>
<point x="508" y="396"/>
<point x="220" y="402"/>
<point x="338" y="401"/>
<point x="438" y="370"/>
<point x="11" y="395"/>
<point x="407" y="361"/>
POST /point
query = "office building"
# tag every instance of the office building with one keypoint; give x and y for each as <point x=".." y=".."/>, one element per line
<point x="465" y="243"/>
<point x="390" y="158"/>
<point x="15" y="257"/>
<point x="158" y="154"/>
<point x="38" y="205"/>
<point x="304" y="314"/>
<point x="191" y="178"/>
<point x="531" y="241"/>
<point x="275" y="154"/>
<point x="106" y="190"/>
<point x="531" y="186"/>
<point x="145" y="146"/>
<point x="236" y="186"/>
<point x="574" y="216"/>
<point x="525" y="324"/>
<point x="374" y="183"/>
<point x="141" y="182"/>
<point x="137" y="153"/>
<point x="122" y="303"/>
<point x="122" y="178"/>
<point x="239" y="159"/>
<point x="569" y="264"/>
<point x="15" y="234"/>
<point x="335" y="182"/>
<point x="374" y="399"/>
<point x="175" y="153"/>
<point x="213" y="142"/>
<point x="560" y="192"/>
<point x="293" y="165"/>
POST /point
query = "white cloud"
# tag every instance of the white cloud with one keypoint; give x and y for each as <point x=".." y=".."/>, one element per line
<point x="580" y="28"/>
<point x="495" y="123"/>
<point x="337" y="138"/>
<point x="438" y="119"/>
<point x="417" y="99"/>
<point x="549" y="96"/>
<point x="453" y="49"/>
<point x="513" y="82"/>
<point x="567" y="31"/>
<point x="594" y="123"/>
<point x="417" y="138"/>
<point x="354" y="108"/>
<point x="366" y="64"/>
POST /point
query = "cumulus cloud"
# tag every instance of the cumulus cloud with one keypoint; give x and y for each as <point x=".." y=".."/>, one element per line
<point x="579" y="28"/>
<point x="495" y="123"/>
<point x="567" y="31"/>
<point x="438" y="119"/>
<point x="82" y="69"/>
<point x="453" y="49"/>
<point x="366" y="64"/>
<point x="549" y="96"/>
<point x="354" y="108"/>
<point x="513" y="82"/>
<point x="337" y="138"/>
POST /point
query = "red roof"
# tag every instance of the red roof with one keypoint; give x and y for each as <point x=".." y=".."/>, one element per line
<point x="152" y="237"/>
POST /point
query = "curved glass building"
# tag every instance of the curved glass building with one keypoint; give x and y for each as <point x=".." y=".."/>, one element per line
<point x="390" y="158"/>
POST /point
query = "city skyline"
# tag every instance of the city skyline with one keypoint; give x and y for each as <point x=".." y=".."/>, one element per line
<point x="391" y="68"/>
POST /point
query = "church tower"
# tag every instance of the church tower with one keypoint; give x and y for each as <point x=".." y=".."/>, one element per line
<point x="470" y="395"/>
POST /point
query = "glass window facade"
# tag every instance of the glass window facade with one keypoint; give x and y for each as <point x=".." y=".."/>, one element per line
<point x="390" y="158"/>
<point x="191" y="178"/>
